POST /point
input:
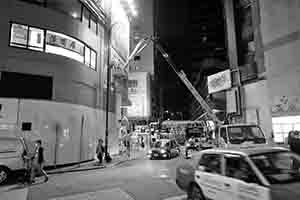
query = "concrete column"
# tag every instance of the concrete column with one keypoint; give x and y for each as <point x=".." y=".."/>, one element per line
<point x="230" y="33"/>
<point x="232" y="50"/>
<point x="259" y="48"/>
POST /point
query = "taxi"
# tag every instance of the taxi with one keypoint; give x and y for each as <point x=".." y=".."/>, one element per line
<point x="258" y="173"/>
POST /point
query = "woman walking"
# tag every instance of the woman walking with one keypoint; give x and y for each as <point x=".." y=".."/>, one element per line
<point x="38" y="162"/>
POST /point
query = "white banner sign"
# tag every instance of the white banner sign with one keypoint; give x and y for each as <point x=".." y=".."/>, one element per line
<point x="218" y="82"/>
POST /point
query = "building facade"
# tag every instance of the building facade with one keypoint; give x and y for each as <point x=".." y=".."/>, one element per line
<point x="141" y="70"/>
<point x="279" y="22"/>
<point x="139" y="95"/>
<point x="54" y="63"/>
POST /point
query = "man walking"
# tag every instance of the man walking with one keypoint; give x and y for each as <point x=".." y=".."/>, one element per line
<point x="38" y="162"/>
<point x="99" y="151"/>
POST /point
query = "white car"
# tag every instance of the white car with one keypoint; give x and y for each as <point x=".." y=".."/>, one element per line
<point x="260" y="173"/>
<point x="11" y="160"/>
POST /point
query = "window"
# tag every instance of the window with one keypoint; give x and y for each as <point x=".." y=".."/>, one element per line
<point x="36" y="39"/>
<point x="238" y="135"/>
<point x="93" y="24"/>
<point x="86" y="16"/>
<point x="52" y="42"/>
<point x="223" y="134"/>
<point x="70" y="7"/>
<point x="211" y="163"/>
<point x="278" y="167"/>
<point x="87" y="56"/>
<point x="90" y="20"/>
<point x="237" y="167"/>
<point x="19" y="35"/>
<point x="93" y="59"/>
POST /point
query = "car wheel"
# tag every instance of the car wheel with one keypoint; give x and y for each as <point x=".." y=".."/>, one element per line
<point x="195" y="193"/>
<point x="4" y="174"/>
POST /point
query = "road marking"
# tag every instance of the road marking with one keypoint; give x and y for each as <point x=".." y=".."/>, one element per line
<point x="182" y="197"/>
<point x="110" y="194"/>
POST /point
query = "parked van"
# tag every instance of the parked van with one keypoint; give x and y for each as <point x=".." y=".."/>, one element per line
<point x="11" y="157"/>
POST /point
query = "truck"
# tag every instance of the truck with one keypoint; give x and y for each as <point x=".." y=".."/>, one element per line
<point x="225" y="135"/>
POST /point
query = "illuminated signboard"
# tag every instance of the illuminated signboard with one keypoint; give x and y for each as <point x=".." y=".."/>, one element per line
<point x="61" y="44"/>
<point x="218" y="82"/>
<point x="33" y="38"/>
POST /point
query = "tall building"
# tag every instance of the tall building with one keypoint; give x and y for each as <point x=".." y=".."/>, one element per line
<point x="141" y="70"/>
<point x="279" y="27"/>
<point x="196" y="42"/>
<point x="206" y="38"/>
<point x="53" y="71"/>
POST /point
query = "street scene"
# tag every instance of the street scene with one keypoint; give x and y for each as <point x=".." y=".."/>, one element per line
<point x="149" y="100"/>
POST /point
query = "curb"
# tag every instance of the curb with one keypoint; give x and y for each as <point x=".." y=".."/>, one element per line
<point x="75" y="169"/>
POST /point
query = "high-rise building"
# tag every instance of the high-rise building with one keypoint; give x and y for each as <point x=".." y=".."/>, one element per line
<point x="193" y="34"/>
<point x="142" y="69"/>
<point x="207" y="37"/>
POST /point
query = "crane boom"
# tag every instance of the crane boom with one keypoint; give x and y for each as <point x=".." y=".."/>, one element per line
<point x="144" y="43"/>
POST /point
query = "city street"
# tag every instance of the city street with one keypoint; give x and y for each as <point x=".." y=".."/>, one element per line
<point x="141" y="179"/>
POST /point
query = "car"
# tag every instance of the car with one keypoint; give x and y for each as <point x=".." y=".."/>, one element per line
<point x="264" y="173"/>
<point x="294" y="141"/>
<point x="164" y="148"/>
<point x="11" y="157"/>
<point x="192" y="145"/>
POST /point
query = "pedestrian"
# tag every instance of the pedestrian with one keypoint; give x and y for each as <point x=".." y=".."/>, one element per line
<point x="38" y="162"/>
<point x="142" y="142"/>
<point x="100" y="151"/>
<point x="127" y="142"/>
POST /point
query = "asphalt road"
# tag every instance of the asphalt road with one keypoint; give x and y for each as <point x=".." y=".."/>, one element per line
<point x="135" y="180"/>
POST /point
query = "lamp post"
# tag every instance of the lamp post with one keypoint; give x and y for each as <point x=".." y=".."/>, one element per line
<point x="107" y="156"/>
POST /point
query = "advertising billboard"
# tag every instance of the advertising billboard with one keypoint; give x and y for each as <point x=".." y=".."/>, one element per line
<point x="139" y="95"/>
<point x="218" y="82"/>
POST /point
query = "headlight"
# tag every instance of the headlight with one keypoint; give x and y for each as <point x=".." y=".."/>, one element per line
<point x="163" y="151"/>
<point x="150" y="151"/>
<point x="188" y="144"/>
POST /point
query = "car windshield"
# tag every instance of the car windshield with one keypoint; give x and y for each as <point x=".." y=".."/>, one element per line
<point x="278" y="167"/>
<point x="160" y="144"/>
<point x="241" y="134"/>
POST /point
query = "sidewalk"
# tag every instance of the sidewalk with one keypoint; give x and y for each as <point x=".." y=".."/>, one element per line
<point x="13" y="192"/>
<point x="92" y="165"/>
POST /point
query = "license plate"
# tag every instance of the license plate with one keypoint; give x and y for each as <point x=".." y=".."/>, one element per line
<point x="155" y="154"/>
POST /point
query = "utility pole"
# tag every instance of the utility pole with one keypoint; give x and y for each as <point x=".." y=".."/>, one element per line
<point x="107" y="156"/>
